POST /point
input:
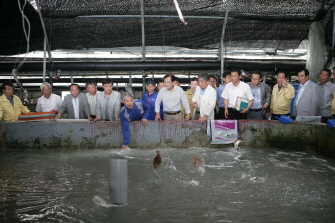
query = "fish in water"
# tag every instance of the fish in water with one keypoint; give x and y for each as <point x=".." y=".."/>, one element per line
<point x="237" y="143"/>
<point x="157" y="159"/>
<point x="197" y="161"/>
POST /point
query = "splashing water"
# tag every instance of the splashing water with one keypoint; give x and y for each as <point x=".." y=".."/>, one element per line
<point x="101" y="202"/>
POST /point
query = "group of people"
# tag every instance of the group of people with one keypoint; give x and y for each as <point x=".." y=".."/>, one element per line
<point x="312" y="99"/>
<point x="203" y="101"/>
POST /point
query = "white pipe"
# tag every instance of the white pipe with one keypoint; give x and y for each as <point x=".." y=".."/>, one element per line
<point x="118" y="181"/>
<point x="44" y="59"/>
<point x="179" y="12"/>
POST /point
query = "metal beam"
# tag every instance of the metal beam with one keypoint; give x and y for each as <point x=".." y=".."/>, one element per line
<point x="130" y="82"/>
<point x="222" y="39"/>
<point x="143" y="33"/>
<point x="46" y="42"/>
<point x="150" y="16"/>
<point x="157" y="65"/>
<point x="144" y="75"/>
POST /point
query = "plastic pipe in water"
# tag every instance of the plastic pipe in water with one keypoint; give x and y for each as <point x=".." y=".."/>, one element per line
<point x="118" y="181"/>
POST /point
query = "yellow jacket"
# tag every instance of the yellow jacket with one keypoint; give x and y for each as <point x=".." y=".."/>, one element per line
<point x="189" y="96"/>
<point x="281" y="101"/>
<point x="10" y="113"/>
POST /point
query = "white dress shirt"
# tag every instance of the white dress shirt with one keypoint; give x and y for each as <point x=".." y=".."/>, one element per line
<point x="172" y="100"/>
<point x="75" y="103"/>
<point x="48" y="104"/>
<point x="231" y="93"/>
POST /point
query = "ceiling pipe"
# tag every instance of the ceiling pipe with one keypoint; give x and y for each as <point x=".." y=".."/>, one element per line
<point x="157" y="65"/>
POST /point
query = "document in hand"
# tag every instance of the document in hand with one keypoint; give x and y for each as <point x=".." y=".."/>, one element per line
<point x="241" y="103"/>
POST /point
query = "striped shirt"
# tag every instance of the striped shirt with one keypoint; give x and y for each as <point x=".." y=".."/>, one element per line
<point x="92" y="99"/>
<point x="256" y="92"/>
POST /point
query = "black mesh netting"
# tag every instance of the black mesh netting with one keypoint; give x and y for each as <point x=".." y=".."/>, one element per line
<point x="256" y="24"/>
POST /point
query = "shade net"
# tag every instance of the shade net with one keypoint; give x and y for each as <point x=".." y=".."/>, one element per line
<point x="78" y="24"/>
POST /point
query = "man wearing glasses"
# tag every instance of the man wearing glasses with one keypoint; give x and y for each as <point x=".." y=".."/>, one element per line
<point x="262" y="96"/>
<point x="172" y="97"/>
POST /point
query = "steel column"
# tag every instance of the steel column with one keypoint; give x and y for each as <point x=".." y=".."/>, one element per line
<point x="143" y="34"/>
<point x="222" y="39"/>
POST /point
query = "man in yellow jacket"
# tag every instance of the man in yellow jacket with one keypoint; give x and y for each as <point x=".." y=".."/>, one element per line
<point x="189" y="95"/>
<point x="282" y="95"/>
<point x="10" y="105"/>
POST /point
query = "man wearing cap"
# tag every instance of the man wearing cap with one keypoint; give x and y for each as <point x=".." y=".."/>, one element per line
<point x="150" y="98"/>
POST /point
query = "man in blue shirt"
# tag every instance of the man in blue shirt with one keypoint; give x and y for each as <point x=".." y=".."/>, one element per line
<point x="220" y="100"/>
<point x="150" y="98"/>
<point x="133" y="110"/>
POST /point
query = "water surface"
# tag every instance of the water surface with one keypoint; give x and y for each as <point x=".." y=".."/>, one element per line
<point x="232" y="186"/>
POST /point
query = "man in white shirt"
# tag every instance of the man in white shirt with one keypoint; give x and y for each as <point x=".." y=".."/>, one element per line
<point x="204" y="99"/>
<point x="92" y="91"/>
<point x="235" y="89"/>
<point x="172" y="97"/>
<point x="48" y="102"/>
<point x="220" y="100"/>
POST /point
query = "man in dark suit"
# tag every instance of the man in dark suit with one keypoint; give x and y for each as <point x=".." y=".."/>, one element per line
<point x="262" y="96"/>
<point x="307" y="100"/>
<point x="75" y="104"/>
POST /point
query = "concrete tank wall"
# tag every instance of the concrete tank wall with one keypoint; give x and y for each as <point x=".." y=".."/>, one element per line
<point x="184" y="134"/>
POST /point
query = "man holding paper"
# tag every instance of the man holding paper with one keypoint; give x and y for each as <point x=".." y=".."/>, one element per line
<point x="237" y="97"/>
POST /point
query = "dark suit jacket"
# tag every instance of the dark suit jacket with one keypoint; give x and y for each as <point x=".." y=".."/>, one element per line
<point x="265" y="92"/>
<point x="67" y="106"/>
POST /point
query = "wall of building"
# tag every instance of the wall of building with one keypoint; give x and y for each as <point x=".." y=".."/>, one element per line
<point x="164" y="134"/>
